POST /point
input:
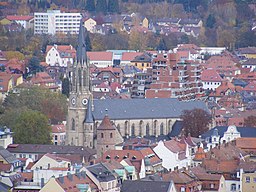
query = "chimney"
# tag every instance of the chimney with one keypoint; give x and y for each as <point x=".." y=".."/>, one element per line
<point x="70" y="176"/>
<point x="83" y="174"/>
<point x="61" y="178"/>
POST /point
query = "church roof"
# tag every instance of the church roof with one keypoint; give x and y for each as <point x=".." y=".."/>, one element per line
<point x="106" y="124"/>
<point x="143" y="108"/>
<point x="81" y="50"/>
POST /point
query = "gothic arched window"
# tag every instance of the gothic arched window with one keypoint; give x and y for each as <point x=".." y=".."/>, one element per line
<point x="126" y="128"/>
<point x="80" y="77"/>
<point x="161" y="129"/>
<point x="133" y="130"/>
<point x="169" y="125"/>
<point x="147" y="130"/>
<point x="154" y="127"/>
<point x="73" y="124"/>
<point x="140" y="130"/>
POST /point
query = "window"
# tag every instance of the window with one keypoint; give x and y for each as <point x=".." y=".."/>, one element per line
<point x="56" y="137"/>
<point x="102" y="135"/>
<point x="111" y="135"/>
<point x="233" y="187"/>
<point x="247" y="179"/>
<point x="161" y="129"/>
<point x="182" y="189"/>
<point x="133" y="130"/>
<point x="73" y="127"/>
<point x="147" y="130"/>
<point x="212" y="185"/>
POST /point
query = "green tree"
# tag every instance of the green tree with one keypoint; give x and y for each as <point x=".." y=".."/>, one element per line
<point x="162" y="45"/>
<point x="210" y="21"/>
<point x="31" y="127"/>
<point x="90" y="5"/>
<point x="34" y="65"/>
<point x="53" y="105"/>
<point x="88" y="42"/>
<point x="113" y="6"/>
<point x="101" y="6"/>
<point x="65" y="86"/>
<point x="196" y="121"/>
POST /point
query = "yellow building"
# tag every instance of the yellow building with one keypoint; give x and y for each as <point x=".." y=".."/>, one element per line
<point x="145" y="23"/>
<point x="248" y="182"/>
<point x="89" y="24"/>
<point x="142" y="62"/>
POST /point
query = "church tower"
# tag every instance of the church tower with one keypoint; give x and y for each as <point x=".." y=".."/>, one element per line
<point x="79" y="132"/>
<point x="107" y="137"/>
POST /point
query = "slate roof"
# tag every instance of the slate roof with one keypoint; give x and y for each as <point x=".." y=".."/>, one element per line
<point x="176" y="129"/>
<point x="43" y="149"/>
<point x="10" y="158"/>
<point x="101" y="172"/>
<point x="143" y="108"/>
<point x="244" y="131"/>
<point x="145" y="186"/>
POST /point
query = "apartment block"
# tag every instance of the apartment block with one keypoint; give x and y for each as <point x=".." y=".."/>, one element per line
<point x="54" y="22"/>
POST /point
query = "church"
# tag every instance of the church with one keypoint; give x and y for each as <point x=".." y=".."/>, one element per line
<point x="131" y="117"/>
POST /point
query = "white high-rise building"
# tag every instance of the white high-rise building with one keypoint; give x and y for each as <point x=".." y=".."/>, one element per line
<point x="54" y="21"/>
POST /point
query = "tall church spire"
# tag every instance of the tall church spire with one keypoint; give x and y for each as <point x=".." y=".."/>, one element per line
<point x="81" y="49"/>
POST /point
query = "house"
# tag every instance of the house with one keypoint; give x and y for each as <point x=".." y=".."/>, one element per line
<point x="70" y="183"/>
<point x="210" y="79"/>
<point x="100" y="59"/>
<point x="224" y="134"/>
<point x="191" y="22"/>
<point x="15" y="66"/>
<point x="49" y="161"/>
<point x="246" y="52"/>
<point x="7" y="158"/>
<point x="148" y="186"/>
<point x="89" y="24"/>
<point x="153" y="163"/>
<point x="6" y="137"/>
<point x="249" y="64"/>
<point x="132" y="160"/>
<point x="174" y="154"/>
<point x="182" y="181"/>
<point x="127" y="57"/>
<point x="58" y="134"/>
<point x="142" y="61"/>
<point x="6" y="84"/>
<point x="26" y="21"/>
<point x="60" y="55"/>
<point x="105" y="180"/>
<point x="43" y="79"/>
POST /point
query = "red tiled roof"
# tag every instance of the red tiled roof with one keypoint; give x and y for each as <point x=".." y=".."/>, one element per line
<point x="210" y="75"/>
<point x="42" y="78"/>
<point x="128" y="56"/>
<point x="58" y="128"/>
<point x="100" y="56"/>
<point x="30" y="165"/>
<point x="71" y="185"/>
<point x="175" y="146"/>
<point x="19" y="17"/>
<point x="119" y="155"/>
<point x="5" y="167"/>
<point x="246" y="143"/>
<point x="151" y="155"/>
<point x="26" y="175"/>
<point x="106" y="124"/>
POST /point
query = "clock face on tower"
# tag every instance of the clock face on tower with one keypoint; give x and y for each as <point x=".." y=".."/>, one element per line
<point x="84" y="101"/>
